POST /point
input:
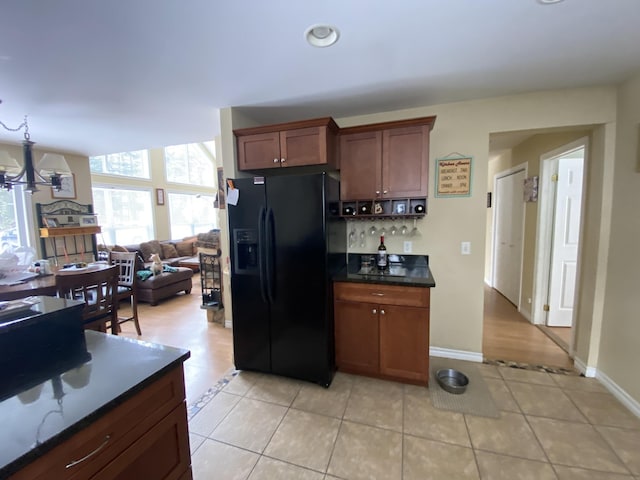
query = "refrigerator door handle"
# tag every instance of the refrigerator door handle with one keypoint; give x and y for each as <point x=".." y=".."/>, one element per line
<point x="270" y="256"/>
<point x="262" y="254"/>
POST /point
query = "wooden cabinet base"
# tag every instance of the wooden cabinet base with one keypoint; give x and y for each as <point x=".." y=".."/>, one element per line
<point x="382" y="331"/>
<point x="144" y="437"/>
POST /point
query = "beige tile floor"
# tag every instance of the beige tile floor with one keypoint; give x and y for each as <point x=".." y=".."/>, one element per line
<point x="551" y="427"/>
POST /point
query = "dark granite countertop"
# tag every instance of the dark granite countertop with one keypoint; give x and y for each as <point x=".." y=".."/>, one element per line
<point x="36" y="420"/>
<point x="405" y="270"/>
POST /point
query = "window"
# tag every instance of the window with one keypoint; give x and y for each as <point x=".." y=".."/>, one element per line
<point x="190" y="164"/>
<point x="191" y="214"/>
<point x="13" y="233"/>
<point x="126" y="164"/>
<point x="125" y="215"/>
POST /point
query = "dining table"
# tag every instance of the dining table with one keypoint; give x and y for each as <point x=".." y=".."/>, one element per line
<point x="43" y="284"/>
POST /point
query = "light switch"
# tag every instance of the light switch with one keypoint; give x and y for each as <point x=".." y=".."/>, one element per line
<point x="408" y="246"/>
<point x="465" y="248"/>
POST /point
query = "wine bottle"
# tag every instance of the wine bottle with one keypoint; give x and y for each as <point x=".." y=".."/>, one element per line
<point x="382" y="255"/>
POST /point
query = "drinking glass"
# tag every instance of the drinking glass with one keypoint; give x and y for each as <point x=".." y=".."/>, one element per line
<point x="363" y="239"/>
<point x="393" y="230"/>
<point x="373" y="230"/>
<point x="383" y="232"/>
<point x="352" y="237"/>
<point x="414" y="231"/>
<point x="404" y="230"/>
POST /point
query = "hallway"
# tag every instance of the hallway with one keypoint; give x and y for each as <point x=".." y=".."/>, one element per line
<point x="508" y="336"/>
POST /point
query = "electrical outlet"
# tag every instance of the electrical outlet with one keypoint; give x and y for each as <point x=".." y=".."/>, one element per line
<point x="408" y="246"/>
<point x="465" y="248"/>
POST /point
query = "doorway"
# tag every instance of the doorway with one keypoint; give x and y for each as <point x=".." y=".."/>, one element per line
<point x="558" y="241"/>
<point x="508" y="232"/>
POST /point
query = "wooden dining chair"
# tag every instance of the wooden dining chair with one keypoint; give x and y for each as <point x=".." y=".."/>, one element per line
<point x="97" y="288"/>
<point x="127" y="284"/>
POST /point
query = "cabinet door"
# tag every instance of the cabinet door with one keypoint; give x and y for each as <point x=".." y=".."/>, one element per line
<point x="404" y="342"/>
<point x="361" y="166"/>
<point x="357" y="337"/>
<point x="303" y="146"/>
<point x="258" y="151"/>
<point x="405" y="162"/>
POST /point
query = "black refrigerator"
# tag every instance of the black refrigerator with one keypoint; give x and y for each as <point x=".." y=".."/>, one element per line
<point x="287" y="240"/>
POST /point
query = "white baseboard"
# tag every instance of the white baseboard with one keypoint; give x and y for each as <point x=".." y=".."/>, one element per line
<point x="582" y="368"/>
<point x="455" y="354"/>
<point x="227" y="324"/>
<point x="626" y="399"/>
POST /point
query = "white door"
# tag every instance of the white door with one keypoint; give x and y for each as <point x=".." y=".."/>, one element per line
<point x="566" y="235"/>
<point x="508" y="227"/>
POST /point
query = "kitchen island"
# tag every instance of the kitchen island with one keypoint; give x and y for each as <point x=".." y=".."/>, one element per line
<point x="382" y="319"/>
<point x="118" y="413"/>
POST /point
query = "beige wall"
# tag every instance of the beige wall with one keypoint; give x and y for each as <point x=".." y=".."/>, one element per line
<point x="457" y="300"/>
<point x="619" y="355"/>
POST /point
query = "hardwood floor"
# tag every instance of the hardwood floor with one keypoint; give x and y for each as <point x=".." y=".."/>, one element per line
<point x="180" y="322"/>
<point x="507" y="335"/>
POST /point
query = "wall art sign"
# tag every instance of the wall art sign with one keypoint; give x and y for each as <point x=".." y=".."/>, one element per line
<point x="453" y="176"/>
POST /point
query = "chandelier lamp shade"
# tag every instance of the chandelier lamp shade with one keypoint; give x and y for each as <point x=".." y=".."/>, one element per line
<point x="50" y="170"/>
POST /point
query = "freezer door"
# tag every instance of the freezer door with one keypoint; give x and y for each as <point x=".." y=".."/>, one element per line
<point x="251" y="334"/>
<point x="297" y="268"/>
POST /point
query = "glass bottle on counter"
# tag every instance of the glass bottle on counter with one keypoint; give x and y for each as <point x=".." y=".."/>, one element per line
<point x="382" y="255"/>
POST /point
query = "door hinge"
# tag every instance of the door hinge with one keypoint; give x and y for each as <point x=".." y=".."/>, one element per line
<point x="545" y="307"/>
<point x="554" y="177"/>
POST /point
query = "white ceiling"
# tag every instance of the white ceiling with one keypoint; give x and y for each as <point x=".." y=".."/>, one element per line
<point x="116" y="75"/>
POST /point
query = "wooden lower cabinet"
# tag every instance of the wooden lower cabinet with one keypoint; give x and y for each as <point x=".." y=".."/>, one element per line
<point x="357" y="337"/>
<point x="404" y="342"/>
<point x="144" y="437"/>
<point x="382" y="331"/>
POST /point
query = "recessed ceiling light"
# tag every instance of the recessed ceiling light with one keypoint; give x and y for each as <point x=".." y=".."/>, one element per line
<point x="321" y="35"/>
<point x="549" y="2"/>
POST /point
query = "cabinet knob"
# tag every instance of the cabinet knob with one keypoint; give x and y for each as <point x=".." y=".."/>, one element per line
<point x="275" y="160"/>
<point x="385" y="192"/>
<point x="378" y="193"/>
<point x="381" y="312"/>
<point x="374" y="311"/>
<point x="282" y="160"/>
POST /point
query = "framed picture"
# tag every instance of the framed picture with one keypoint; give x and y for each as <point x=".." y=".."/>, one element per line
<point x="89" y="221"/>
<point x="159" y="196"/>
<point x="67" y="188"/>
<point x="50" y="222"/>
<point x="220" y="197"/>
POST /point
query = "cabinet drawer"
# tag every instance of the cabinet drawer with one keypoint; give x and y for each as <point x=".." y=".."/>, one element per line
<point x="162" y="452"/>
<point x="381" y="294"/>
<point x="103" y="440"/>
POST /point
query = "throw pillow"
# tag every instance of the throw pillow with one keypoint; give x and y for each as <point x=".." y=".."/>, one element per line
<point x="119" y="248"/>
<point x="169" y="251"/>
<point x="184" y="249"/>
<point x="149" y="248"/>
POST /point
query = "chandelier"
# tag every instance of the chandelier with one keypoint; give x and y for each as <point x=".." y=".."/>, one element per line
<point x="52" y="165"/>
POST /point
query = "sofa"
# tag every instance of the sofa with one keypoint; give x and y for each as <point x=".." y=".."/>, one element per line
<point x="181" y="255"/>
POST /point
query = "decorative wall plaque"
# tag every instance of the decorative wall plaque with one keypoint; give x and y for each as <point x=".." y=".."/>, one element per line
<point x="453" y="176"/>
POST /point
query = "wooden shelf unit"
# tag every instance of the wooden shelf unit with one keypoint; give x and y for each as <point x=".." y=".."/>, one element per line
<point x="73" y="242"/>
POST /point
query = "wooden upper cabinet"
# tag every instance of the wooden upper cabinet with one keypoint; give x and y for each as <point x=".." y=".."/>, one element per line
<point x="294" y="144"/>
<point x="360" y="165"/>
<point x="257" y="151"/>
<point x="385" y="160"/>
<point x="405" y="162"/>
